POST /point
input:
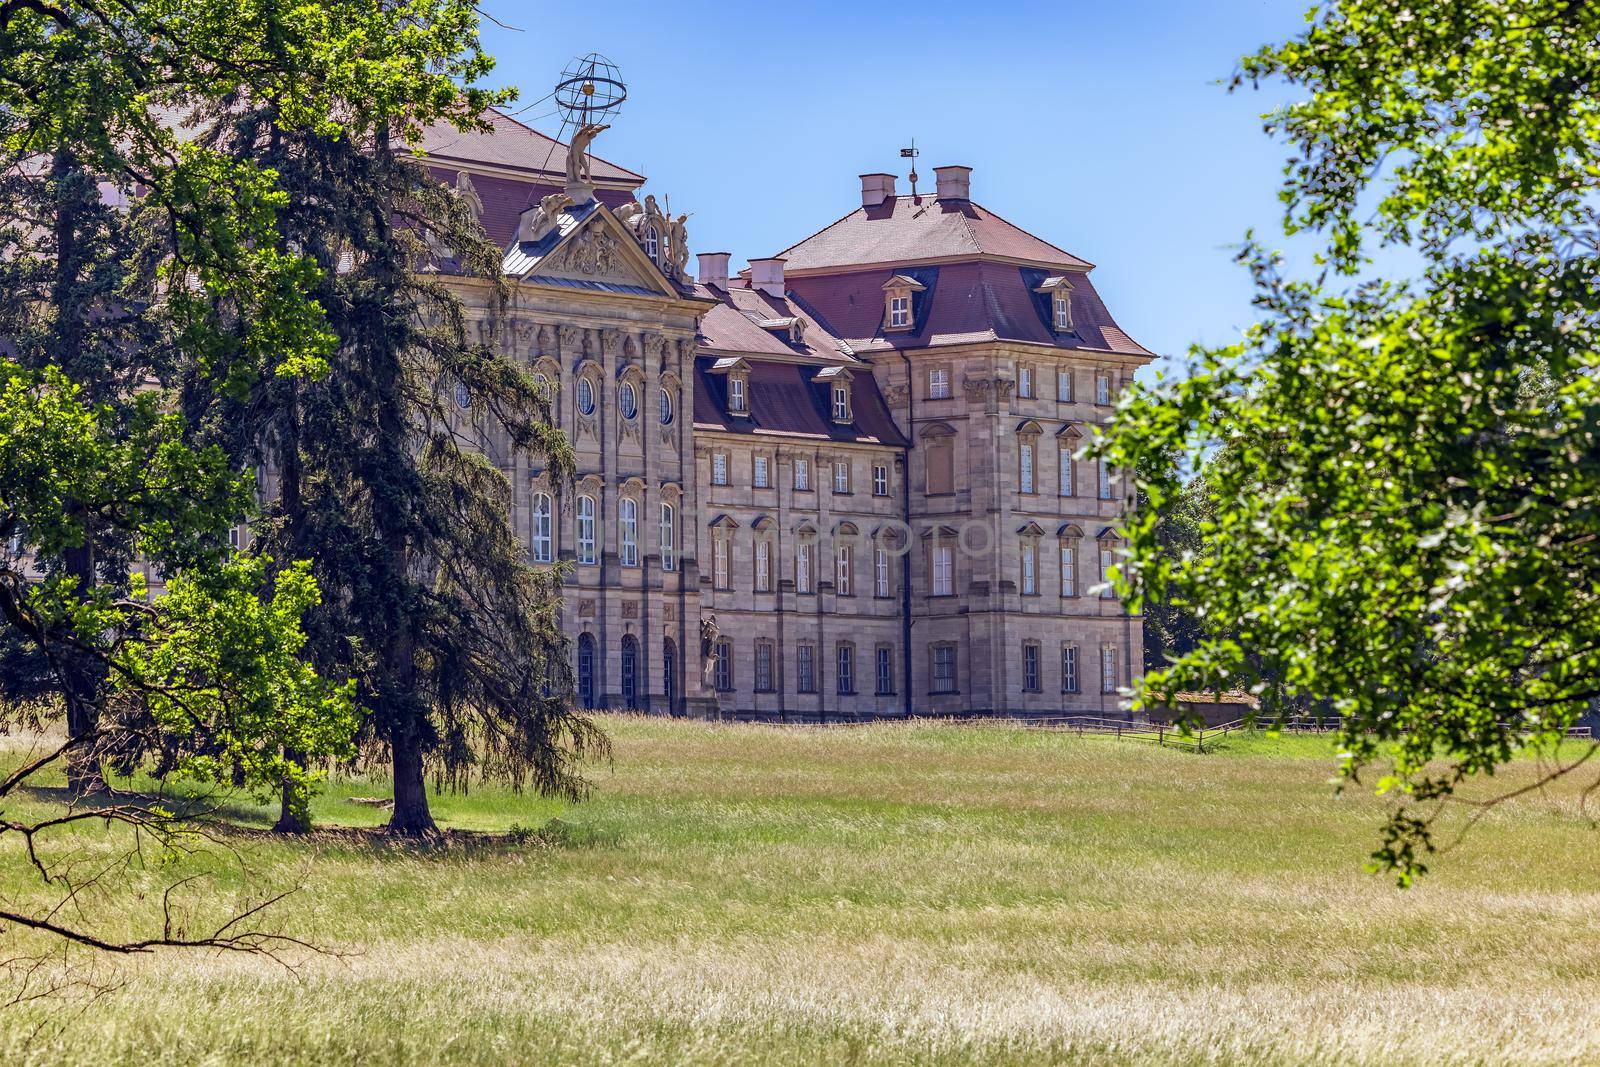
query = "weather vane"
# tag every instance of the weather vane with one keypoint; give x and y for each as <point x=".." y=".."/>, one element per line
<point x="912" y="154"/>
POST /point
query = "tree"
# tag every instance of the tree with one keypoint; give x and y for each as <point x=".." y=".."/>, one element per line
<point x="1402" y="530"/>
<point x="432" y="607"/>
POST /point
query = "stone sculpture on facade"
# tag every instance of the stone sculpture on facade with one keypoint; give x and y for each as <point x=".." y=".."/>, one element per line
<point x="536" y="224"/>
<point x="579" y="177"/>
<point x="709" y="632"/>
<point x="469" y="195"/>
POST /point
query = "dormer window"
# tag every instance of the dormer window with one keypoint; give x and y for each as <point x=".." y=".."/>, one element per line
<point x="899" y="311"/>
<point x="790" y="328"/>
<point x="837" y="379"/>
<point x="1059" y="290"/>
<point x="738" y="378"/>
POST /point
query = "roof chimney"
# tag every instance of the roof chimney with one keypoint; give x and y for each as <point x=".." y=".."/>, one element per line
<point x="876" y="188"/>
<point x="767" y="275"/>
<point x="714" y="268"/>
<point x="955" y="183"/>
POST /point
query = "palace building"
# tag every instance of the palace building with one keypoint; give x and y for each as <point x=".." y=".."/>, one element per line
<point x="841" y="482"/>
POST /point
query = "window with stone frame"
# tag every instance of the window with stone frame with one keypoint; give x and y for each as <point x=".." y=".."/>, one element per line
<point x="761" y="476"/>
<point x="1069" y="568"/>
<point x="844" y="571"/>
<point x="844" y="674"/>
<point x="1102" y="388"/>
<point x="585" y="396"/>
<point x="805" y="667"/>
<point x="1108" y="560"/>
<point x="841" y="402"/>
<point x="880" y="571"/>
<point x="1061" y="308"/>
<point x="802" y="474"/>
<point x="719" y="468"/>
<point x="764" y="657"/>
<point x="720" y="550"/>
<point x="722" y="672"/>
<point x="1064" y="471"/>
<point x="942" y="667"/>
<point x="1069" y="668"/>
<point x="899" y="302"/>
<point x="543" y="535"/>
<point x="1025" y="380"/>
<point x="1030" y="667"/>
<point x="669" y="537"/>
<point x="880" y="479"/>
<point x="883" y="663"/>
<point x="1104" y="473"/>
<point x="841" y="477"/>
<point x="1064" y="385"/>
<point x="586" y="530"/>
<point x="941" y="568"/>
<point x="628" y="532"/>
<point x="938" y="383"/>
<point x="1030" y="566"/>
<point x="763" y="565"/>
<point x="804" y="553"/>
<point x="738" y="398"/>
<point x="1025" y="482"/>
<point x="1108" y="668"/>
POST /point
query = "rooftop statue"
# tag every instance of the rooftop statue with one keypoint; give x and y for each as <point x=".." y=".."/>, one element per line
<point x="579" y="177"/>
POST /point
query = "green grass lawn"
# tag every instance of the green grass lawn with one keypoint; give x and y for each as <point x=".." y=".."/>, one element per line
<point x="931" y="894"/>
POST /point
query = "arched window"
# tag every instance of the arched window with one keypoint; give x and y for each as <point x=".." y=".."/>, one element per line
<point x="543" y="546"/>
<point x="669" y="538"/>
<point x="652" y="243"/>
<point x="628" y="511"/>
<point x="669" y="674"/>
<point x="630" y="671"/>
<point x="666" y="407"/>
<point x="586" y="396"/>
<point x="586" y="540"/>
<point x="628" y="400"/>
<point x="463" y="396"/>
<point x="586" y="660"/>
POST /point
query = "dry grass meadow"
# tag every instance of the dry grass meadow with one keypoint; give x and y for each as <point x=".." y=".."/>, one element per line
<point x="921" y="894"/>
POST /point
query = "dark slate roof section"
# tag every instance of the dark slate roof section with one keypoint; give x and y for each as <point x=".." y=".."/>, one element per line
<point x="522" y="257"/>
<point x="784" y="401"/>
<point x="735" y="325"/>
<point x="1044" y="303"/>
<point x="969" y="302"/>
<point x="504" y="199"/>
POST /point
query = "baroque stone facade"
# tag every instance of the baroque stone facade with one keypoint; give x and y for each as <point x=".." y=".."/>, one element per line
<point x="842" y="483"/>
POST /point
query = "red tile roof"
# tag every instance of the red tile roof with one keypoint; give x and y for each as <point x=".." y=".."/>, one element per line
<point x="512" y="145"/>
<point x="907" y="230"/>
<point x="734" y="325"/>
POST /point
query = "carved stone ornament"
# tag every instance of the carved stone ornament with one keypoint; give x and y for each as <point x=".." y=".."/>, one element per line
<point x="595" y="252"/>
<point x="629" y="431"/>
<point x="588" y="426"/>
<point x="670" y="612"/>
<point x="571" y="341"/>
<point x="535" y="225"/>
<point x="895" y="394"/>
<point x="669" y="438"/>
<point x="630" y="609"/>
<point x="586" y="609"/>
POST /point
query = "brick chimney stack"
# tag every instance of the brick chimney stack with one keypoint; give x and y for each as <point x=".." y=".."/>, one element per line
<point x="954" y="183"/>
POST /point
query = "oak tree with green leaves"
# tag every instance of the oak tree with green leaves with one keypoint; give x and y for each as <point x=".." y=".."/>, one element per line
<point x="1405" y="500"/>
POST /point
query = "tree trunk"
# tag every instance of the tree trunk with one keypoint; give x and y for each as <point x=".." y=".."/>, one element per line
<point x="411" y="815"/>
<point x="81" y="678"/>
<point x="288" y="821"/>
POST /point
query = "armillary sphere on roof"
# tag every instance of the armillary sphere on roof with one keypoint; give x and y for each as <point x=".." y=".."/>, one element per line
<point x="590" y="90"/>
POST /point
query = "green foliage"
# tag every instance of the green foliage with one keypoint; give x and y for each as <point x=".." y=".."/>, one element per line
<point x="1409" y="473"/>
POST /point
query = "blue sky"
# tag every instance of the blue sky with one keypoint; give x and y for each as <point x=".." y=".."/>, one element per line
<point x="1098" y="126"/>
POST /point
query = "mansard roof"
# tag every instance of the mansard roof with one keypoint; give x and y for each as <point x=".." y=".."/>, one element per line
<point x="784" y="400"/>
<point x="512" y="145"/>
<point x="737" y="324"/>
<point x="967" y="302"/>
<point x="906" y="229"/>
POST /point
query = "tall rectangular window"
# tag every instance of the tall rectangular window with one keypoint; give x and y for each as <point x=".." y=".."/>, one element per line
<point x="722" y="674"/>
<point x="802" y="475"/>
<point x="1025" y="380"/>
<point x="1107" y="561"/>
<point x="1064" y="384"/>
<point x="1069" y="571"/>
<point x="719" y="561"/>
<point x="586" y="530"/>
<point x="1108" y="669"/>
<point x="735" y="394"/>
<point x="1069" y="668"/>
<point x="841" y="404"/>
<point x="719" y="468"/>
<point x="802" y="567"/>
<point x="944" y="669"/>
<point x="806" y="668"/>
<point x="1030" y="576"/>
<point x="880" y="572"/>
<point x="543" y="542"/>
<point x="938" y="384"/>
<point x="1102" y="388"/>
<point x="628" y="510"/>
<point x="1030" y="667"/>
<point x="1066" y="472"/>
<point x="1025" y="480"/>
<point x="763" y="666"/>
<point x="845" y="676"/>
<point x="1105" y="481"/>
<point x="943" y="579"/>
<point x="941" y="471"/>
<point x="845" y="571"/>
<point x="885" y="670"/>
<point x="899" y="311"/>
<point x="763" y="566"/>
<point x="761" y="472"/>
<point x="669" y="538"/>
<point x="841" y="476"/>
<point x="880" y="479"/>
